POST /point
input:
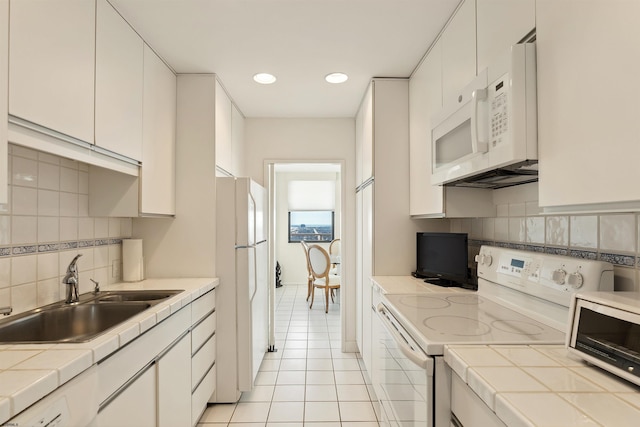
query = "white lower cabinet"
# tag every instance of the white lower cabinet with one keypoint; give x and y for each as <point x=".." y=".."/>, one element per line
<point x="203" y="354"/>
<point x="135" y="405"/>
<point x="174" y="385"/>
<point x="166" y="376"/>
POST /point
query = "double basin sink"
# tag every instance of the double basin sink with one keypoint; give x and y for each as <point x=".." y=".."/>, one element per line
<point x="81" y="321"/>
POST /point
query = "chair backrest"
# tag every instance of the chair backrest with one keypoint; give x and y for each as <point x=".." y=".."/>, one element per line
<point x="319" y="261"/>
<point x="305" y="248"/>
<point x="334" y="247"/>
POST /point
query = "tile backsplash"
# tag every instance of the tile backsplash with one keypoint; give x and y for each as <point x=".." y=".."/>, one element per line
<point x="45" y="224"/>
<point x="520" y="224"/>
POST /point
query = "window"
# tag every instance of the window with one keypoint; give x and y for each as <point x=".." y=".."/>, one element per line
<point x="311" y="226"/>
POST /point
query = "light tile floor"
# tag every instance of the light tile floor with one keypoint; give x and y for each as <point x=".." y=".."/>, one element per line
<point x="308" y="381"/>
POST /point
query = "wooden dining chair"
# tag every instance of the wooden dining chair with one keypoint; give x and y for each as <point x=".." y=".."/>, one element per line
<point x="305" y="247"/>
<point x="320" y="267"/>
<point x="334" y="252"/>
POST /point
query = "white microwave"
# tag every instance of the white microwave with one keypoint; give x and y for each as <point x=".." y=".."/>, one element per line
<point x="491" y="123"/>
<point x="604" y="330"/>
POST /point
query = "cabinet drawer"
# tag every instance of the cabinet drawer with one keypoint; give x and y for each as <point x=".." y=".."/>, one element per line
<point x="202" y="332"/>
<point x="202" y="306"/>
<point x="118" y="368"/>
<point x="469" y="408"/>
<point x="202" y="394"/>
<point x="202" y="361"/>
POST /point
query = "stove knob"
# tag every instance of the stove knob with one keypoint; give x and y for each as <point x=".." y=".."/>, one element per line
<point x="487" y="259"/>
<point x="558" y="276"/>
<point x="575" y="280"/>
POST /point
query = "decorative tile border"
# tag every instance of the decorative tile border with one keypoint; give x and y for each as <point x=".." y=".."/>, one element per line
<point x="19" y="250"/>
<point x="24" y="250"/>
<point x="625" y="260"/>
<point x="556" y="251"/>
<point x="592" y="255"/>
<point x="86" y="243"/>
<point x="49" y="247"/>
<point x="619" y="259"/>
<point x="68" y="245"/>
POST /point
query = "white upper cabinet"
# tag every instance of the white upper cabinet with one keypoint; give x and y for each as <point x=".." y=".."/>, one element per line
<point x="223" y="130"/>
<point x="459" y="50"/>
<point x="364" y="138"/>
<point x="588" y="60"/>
<point x="51" y="74"/>
<point x="425" y="99"/>
<point x="502" y="23"/>
<point x="237" y="141"/>
<point x="119" y="84"/>
<point x="4" y="84"/>
<point x="158" y="171"/>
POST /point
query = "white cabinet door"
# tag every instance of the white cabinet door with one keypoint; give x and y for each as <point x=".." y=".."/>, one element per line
<point x="425" y="99"/>
<point x="158" y="172"/>
<point x="223" y="130"/>
<point x="135" y="406"/>
<point x="367" y="155"/>
<point x="4" y="84"/>
<point x="237" y="141"/>
<point x="174" y="385"/>
<point x="588" y="61"/>
<point x="459" y="51"/>
<point x="502" y="23"/>
<point x="119" y="84"/>
<point x="52" y="65"/>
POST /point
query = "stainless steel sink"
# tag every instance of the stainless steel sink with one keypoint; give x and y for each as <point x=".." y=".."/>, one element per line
<point x="152" y="296"/>
<point x="78" y="322"/>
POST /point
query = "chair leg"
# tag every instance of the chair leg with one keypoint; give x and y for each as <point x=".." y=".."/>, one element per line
<point x="332" y="300"/>
<point x="309" y="288"/>
<point x="312" y="295"/>
<point x="326" y="299"/>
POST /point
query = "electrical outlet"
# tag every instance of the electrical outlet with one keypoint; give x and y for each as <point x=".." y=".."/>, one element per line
<point x="115" y="269"/>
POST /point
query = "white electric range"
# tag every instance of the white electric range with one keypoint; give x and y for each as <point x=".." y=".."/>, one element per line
<point x="522" y="298"/>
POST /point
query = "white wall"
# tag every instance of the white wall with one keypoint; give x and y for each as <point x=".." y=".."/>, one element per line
<point x="320" y="141"/>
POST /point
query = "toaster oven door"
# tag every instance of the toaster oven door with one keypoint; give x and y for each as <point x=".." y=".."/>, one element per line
<point x="607" y="337"/>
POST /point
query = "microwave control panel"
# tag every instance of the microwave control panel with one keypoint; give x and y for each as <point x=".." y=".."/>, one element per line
<point x="498" y="113"/>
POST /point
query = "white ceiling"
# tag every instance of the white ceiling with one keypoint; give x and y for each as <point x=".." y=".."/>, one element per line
<point x="300" y="41"/>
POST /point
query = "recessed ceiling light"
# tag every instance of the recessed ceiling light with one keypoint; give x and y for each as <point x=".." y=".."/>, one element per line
<point x="264" y="78"/>
<point x="336" y="77"/>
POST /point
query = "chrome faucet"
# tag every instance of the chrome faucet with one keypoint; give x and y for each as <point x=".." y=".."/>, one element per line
<point x="71" y="280"/>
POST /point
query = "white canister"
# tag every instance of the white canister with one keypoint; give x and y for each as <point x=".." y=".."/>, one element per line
<point x="132" y="260"/>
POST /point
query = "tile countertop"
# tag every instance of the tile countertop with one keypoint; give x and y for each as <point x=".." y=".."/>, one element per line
<point x="543" y="386"/>
<point x="410" y="285"/>
<point x="29" y="372"/>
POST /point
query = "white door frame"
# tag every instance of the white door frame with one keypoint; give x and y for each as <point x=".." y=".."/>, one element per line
<point x="347" y="301"/>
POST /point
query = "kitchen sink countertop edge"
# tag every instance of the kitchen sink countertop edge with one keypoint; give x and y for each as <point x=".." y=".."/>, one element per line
<point x="28" y="372"/>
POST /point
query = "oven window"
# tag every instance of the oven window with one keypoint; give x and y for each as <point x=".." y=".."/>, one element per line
<point x="606" y="337"/>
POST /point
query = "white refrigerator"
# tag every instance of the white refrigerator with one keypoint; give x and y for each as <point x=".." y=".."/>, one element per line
<point x="242" y="307"/>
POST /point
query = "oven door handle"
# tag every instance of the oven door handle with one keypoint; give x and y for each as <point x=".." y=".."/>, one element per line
<point x="417" y="357"/>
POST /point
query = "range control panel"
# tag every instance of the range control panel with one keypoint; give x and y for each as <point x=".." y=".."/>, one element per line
<point x="550" y="277"/>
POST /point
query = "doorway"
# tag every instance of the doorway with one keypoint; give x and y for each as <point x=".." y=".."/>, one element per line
<point x="301" y="189"/>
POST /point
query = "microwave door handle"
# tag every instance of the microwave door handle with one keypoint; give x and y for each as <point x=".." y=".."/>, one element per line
<point x="477" y="146"/>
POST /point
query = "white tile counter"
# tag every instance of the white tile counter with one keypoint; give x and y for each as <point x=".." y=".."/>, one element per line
<point x="544" y="386"/>
<point x="29" y="372"/>
<point x="410" y="285"/>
